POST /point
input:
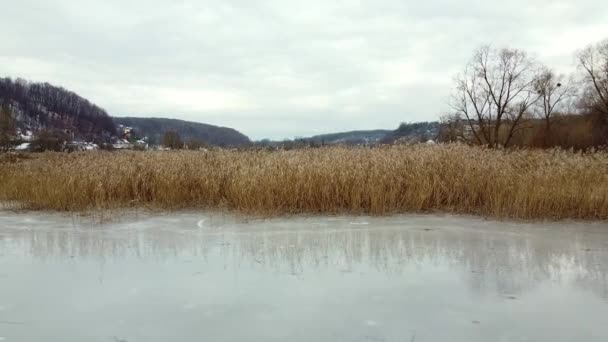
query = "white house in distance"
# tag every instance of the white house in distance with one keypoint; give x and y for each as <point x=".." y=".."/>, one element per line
<point x="128" y="140"/>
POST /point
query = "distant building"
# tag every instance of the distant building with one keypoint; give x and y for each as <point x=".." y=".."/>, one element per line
<point x="128" y="139"/>
<point x="25" y="135"/>
<point x="122" y="145"/>
<point x="78" y="146"/>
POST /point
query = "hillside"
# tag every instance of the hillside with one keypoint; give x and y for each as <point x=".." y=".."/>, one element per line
<point x="37" y="106"/>
<point x="154" y="128"/>
<point x="414" y="132"/>
<point x="41" y="106"/>
<point x="406" y="132"/>
<point x="352" y="137"/>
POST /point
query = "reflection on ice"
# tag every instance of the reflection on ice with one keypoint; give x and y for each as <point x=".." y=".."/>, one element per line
<point x="351" y="279"/>
<point x="508" y="259"/>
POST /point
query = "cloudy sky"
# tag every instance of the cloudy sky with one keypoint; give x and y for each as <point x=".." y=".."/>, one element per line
<point x="280" y="68"/>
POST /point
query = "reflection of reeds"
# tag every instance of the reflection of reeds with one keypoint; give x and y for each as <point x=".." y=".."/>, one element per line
<point x="507" y="263"/>
<point x="452" y="178"/>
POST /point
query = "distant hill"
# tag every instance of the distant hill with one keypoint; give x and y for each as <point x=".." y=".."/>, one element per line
<point x="352" y="137"/>
<point x="154" y="128"/>
<point x="406" y="132"/>
<point x="414" y="132"/>
<point x="37" y="106"/>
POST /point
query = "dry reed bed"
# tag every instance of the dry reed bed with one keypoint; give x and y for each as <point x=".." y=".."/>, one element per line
<point x="451" y="178"/>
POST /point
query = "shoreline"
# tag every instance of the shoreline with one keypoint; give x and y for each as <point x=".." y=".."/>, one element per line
<point x="117" y="215"/>
<point x="456" y="179"/>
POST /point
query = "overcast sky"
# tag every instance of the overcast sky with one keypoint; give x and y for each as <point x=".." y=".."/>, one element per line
<point x="280" y="68"/>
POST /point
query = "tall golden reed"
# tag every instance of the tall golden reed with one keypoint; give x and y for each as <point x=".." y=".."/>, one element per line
<point x="537" y="184"/>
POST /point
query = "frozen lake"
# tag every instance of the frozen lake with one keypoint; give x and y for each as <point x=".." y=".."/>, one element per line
<point x="196" y="277"/>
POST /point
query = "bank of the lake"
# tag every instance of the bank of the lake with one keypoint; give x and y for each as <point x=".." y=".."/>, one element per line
<point x="526" y="184"/>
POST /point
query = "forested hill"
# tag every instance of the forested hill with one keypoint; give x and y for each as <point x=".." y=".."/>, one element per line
<point x="154" y="128"/>
<point x="37" y="106"/>
<point x="352" y="137"/>
<point x="414" y="132"/>
<point x="407" y="132"/>
<point x="42" y="106"/>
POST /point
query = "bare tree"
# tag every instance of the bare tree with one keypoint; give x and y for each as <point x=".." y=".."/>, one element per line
<point x="554" y="91"/>
<point x="594" y="62"/>
<point x="451" y="128"/>
<point x="7" y="128"/>
<point x="494" y="93"/>
<point x="171" y="139"/>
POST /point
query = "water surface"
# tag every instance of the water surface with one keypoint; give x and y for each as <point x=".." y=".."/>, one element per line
<point x="203" y="277"/>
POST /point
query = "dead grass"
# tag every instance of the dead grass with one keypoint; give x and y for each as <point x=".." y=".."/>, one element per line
<point x="530" y="184"/>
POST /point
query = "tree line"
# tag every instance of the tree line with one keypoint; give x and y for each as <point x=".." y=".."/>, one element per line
<point x="504" y="97"/>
